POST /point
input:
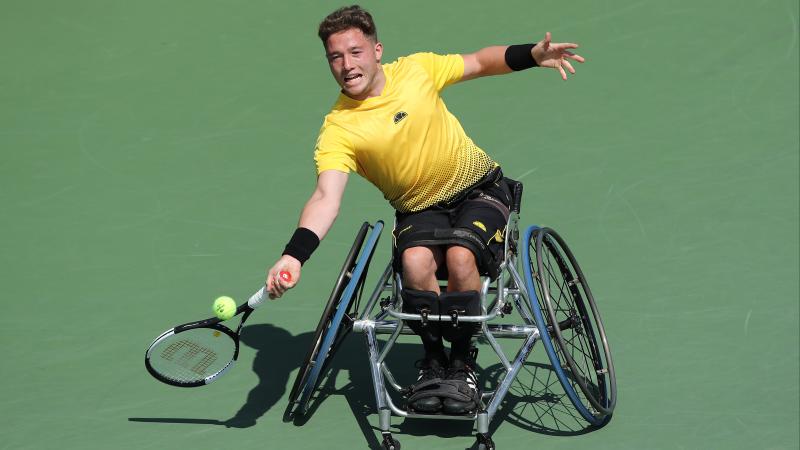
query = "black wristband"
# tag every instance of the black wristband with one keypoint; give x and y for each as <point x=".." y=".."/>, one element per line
<point x="302" y="244"/>
<point x="519" y="57"/>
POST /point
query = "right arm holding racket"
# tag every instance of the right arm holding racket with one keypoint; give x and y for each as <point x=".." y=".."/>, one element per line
<point x="197" y="353"/>
<point x="316" y="219"/>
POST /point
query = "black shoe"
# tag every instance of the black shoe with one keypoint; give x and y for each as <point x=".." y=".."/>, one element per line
<point x="430" y="374"/>
<point x="463" y="377"/>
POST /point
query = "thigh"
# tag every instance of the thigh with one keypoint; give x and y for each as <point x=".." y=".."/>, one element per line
<point x="406" y="233"/>
<point x="486" y="216"/>
<point x="408" y="225"/>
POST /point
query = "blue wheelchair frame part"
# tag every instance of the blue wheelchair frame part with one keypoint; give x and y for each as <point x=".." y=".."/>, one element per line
<point x="333" y="329"/>
<point x="545" y="335"/>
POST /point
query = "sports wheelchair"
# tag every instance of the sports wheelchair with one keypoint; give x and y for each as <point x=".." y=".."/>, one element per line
<point x="540" y="279"/>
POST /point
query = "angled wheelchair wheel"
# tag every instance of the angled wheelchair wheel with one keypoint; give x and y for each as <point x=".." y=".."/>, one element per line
<point x="325" y="320"/>
<point x="571" y="329"/>
<point x="336" y="321"/>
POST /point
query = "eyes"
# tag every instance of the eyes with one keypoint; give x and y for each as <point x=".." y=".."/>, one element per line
<point x="337" y="56"/>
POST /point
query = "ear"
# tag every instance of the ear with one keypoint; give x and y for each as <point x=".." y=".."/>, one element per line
<point x="378" y="51"/>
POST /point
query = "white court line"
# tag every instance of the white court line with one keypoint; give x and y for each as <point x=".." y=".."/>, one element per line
<point x="527" y="173"/>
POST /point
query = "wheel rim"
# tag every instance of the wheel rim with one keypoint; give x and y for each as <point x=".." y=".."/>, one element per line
<point x="579" y="329"/>
<point x="331" y="342"/>
<point x="538" y="303"/>
<point x="323" y="326"/>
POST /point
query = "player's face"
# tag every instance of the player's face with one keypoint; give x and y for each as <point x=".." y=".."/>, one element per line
<point x="355" y="63"/>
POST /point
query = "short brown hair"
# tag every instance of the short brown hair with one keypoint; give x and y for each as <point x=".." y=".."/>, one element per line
<point x="345" y="18"/>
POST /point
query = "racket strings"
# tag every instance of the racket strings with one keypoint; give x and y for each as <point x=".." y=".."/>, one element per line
<point x="187" y="352"/>
<point x="193" y="355"/>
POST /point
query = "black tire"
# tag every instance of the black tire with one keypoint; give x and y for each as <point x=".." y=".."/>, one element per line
<point x="574" y="322"/>
<point x="324" y="322"/>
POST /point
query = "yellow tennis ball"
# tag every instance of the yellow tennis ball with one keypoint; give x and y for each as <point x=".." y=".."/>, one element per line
<point x="224" y="307"/>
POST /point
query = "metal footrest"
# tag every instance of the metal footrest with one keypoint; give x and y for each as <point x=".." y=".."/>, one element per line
<point x="497" y="330"/>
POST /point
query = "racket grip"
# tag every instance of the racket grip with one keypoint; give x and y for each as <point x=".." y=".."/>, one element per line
<point x="258" y="298"/>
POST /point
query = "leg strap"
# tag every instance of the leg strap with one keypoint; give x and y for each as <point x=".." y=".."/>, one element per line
<point x="463" y="237"/>
<point x="424" y="303"/>
<point x="454" y="389"/>
<point x="456" y="305"/>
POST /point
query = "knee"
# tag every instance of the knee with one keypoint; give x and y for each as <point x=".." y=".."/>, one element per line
<point x="460" y="261"/>
<point x="418" y="260"/>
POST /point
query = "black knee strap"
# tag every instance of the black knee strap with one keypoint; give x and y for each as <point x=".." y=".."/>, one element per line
<point x="463" y="237"/>
<point x="441" y="236"/>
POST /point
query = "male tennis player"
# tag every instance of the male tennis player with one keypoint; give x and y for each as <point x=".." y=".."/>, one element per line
<point x="391" y="126"/>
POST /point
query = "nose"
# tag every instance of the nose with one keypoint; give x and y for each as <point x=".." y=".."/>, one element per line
<point x="347" y="61"/>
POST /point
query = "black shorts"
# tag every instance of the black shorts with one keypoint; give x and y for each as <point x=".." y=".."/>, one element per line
<point x="482" y="210"/>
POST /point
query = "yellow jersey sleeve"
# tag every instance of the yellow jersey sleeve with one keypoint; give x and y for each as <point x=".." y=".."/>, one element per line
<point x="334" y="150"/>
<point x="444" y="70"/>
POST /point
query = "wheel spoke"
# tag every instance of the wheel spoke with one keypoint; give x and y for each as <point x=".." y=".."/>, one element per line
<point x="572" y="324"/>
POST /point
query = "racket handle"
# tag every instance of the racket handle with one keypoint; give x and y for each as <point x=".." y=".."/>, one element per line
<point x="258" y="298"/>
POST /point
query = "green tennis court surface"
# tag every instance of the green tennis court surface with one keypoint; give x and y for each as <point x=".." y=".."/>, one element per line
<point x="155" y="155"/>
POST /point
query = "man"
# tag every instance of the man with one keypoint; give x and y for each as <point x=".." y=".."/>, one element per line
<point x="391" y="126"/>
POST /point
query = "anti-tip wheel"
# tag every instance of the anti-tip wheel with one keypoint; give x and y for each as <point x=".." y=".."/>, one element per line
<point x="484" y="442"/>
<point x="390" y="443"/>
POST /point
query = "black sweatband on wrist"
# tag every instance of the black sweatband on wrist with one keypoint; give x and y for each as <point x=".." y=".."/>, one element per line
<point x="519" y="57"/>
<point x="302" y="244"/>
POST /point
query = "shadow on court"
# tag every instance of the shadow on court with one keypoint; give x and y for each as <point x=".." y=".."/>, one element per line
<point x="536" y="401"/>
<point x="272" y="370"/>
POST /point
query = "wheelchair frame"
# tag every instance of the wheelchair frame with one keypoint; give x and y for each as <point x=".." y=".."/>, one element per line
<point x="593" y="394"/>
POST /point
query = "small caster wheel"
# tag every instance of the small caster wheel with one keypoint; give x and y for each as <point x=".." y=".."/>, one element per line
<point x="484" y="442"/>
<point x="390" y="443"/>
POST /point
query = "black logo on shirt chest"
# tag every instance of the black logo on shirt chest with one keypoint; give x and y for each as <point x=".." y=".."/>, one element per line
<point x="400" y="116"/>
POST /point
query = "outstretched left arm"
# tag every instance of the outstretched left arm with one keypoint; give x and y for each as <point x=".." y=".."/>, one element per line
<point x="492" y="60"/>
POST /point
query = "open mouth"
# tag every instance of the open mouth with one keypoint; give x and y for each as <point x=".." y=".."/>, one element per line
<point x="351" y="79"/>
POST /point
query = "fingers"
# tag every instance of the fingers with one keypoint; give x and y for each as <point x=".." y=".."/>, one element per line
<point x="557" y="55"/>
<point x="280" y="285"/>
<point x="556" y="47"/>
<point x="546" y="41"/>
<point x="565" y="64"/>
<point x="275" y="285"/>
<point x="574" y="57"/>
<point x="563" y="73"/>
<point x="562" y="51"/>
<point x="279" y="281"/>
<point x="562" y="46"/>
<point x="271" y="285"/>
<point x="284" y="275"/>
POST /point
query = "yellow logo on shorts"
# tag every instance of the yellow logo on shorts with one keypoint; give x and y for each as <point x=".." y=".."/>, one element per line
<point x="498" y="236"/>
<point x="479" y="225"/>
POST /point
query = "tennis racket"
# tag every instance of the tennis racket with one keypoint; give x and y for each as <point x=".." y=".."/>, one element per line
<point x="197" y="353"/>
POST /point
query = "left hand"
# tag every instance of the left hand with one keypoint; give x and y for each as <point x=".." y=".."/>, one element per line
<point x="555" y="55"/>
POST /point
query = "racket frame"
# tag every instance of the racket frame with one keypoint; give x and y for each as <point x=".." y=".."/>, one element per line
<point x="214" y="323"/>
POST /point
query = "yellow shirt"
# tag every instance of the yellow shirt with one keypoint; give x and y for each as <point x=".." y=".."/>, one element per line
<point x="405" y="141"/>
